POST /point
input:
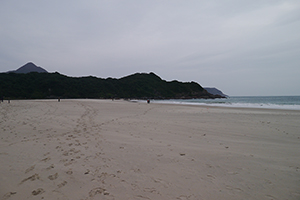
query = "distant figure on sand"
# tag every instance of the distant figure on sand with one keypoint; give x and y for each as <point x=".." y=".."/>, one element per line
<point x="148" y="101"/>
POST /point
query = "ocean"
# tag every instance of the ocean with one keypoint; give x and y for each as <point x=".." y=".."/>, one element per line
<point x="271" y="102"/>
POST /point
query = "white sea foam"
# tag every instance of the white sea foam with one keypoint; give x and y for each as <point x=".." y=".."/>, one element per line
<point x="289" y="103"/>
<point x="256" y="105"/>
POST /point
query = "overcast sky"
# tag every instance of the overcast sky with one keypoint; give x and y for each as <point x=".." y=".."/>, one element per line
<point x="249" y="47"/>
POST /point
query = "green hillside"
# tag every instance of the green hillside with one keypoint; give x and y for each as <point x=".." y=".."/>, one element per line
<point x="54" y="85"/>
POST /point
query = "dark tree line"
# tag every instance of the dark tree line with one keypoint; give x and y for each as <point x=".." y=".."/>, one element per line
<point x="54" y="85"/>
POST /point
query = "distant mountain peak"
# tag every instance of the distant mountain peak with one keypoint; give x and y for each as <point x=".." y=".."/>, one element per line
<point x="29" y="67"/>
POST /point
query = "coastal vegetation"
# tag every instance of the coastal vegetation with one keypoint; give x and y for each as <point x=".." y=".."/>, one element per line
<point x="55" y="85"/>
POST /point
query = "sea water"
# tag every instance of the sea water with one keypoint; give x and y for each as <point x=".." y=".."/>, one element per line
<point x="271" y="102"/>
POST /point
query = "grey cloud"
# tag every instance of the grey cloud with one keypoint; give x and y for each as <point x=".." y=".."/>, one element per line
<point x="225" y="44"/>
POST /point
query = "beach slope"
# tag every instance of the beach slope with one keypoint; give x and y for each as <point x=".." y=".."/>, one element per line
<point x="101" y="149"/>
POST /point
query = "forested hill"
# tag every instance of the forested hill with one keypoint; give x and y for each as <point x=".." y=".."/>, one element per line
<point x="54" y="85"/>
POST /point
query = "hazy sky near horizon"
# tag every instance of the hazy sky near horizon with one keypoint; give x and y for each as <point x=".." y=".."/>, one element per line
<point x="240" y="47"/>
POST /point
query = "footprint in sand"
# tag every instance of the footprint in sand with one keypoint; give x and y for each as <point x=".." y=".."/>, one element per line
<point x="50" y="167"/>
<point x="98" y="190"/>
<point x="66" y="153"/>
<point x="29" y="169"/>
<point x="38" y="191"/>
<point x="62" y="184"/>
<point x="46" y="154"/>
<point x="8" y="195"/>
<point x="53" y="177"/>
<point x="69" y="163"/>
<point x="46" y="159"/>
<point x="210" y="176"/>
<point x="69" y="172"/>
<point x="32" y="178"/>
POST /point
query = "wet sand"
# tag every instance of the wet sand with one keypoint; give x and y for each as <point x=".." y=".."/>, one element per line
<point x="101" y="149"/>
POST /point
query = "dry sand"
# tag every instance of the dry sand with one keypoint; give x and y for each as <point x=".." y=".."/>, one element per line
<point x="100" y="149"/>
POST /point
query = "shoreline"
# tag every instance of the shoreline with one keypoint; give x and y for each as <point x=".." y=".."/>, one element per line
<point x="218" y="106"/>
<point x="167" y="102"/>
<point x="238" y="105"/>
<point x="91" y="149"/>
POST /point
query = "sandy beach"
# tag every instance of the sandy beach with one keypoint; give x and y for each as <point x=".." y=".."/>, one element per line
<point x="103" y="149"/>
